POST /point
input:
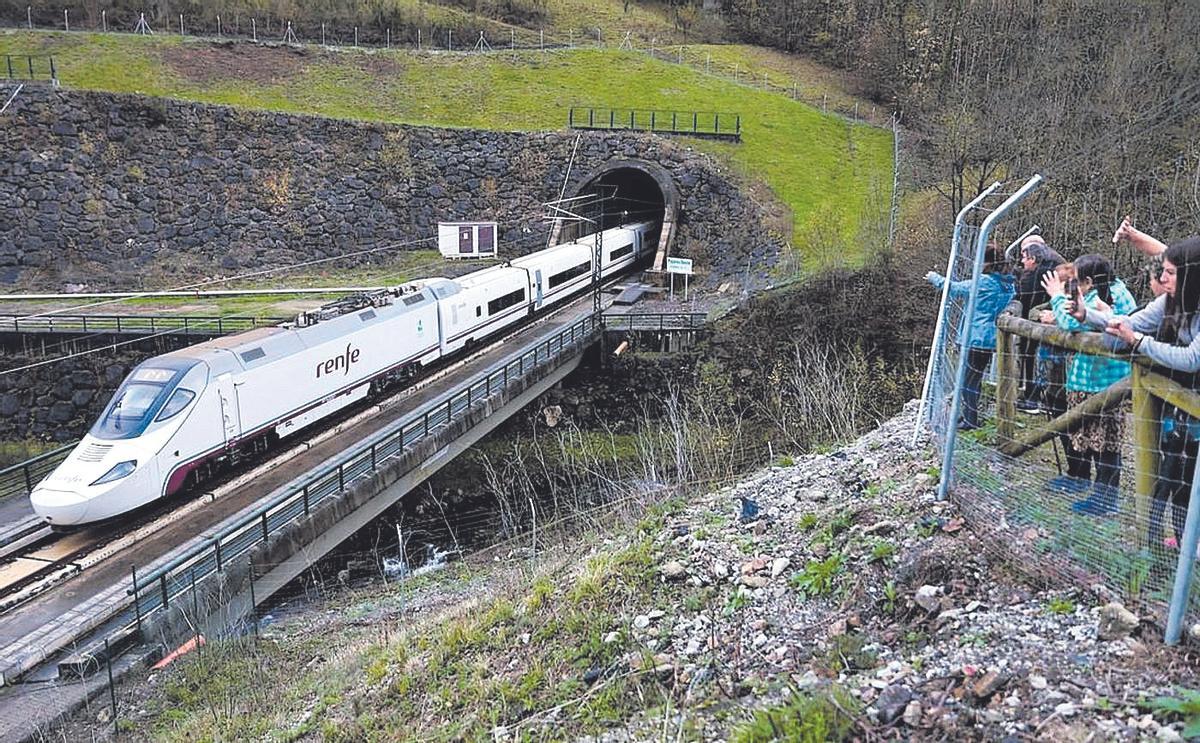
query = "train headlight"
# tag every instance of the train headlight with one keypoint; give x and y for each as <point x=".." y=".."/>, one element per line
<point x="124" y="469"/>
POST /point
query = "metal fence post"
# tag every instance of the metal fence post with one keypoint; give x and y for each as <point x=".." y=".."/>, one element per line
<point x="960" y="378"/>
<point x="217" y="551"/>
<point x="940" y="326"/>
<point x="112" y="692"/>
<point x="265" y="533"/>
<point x="162" y="584"/>
<point x="1185" y="565"/>
<point x="305" y="496"/>
<point x="137" y="605"/>
<point x="341" y="478"/>
<point x="253" y="599"/>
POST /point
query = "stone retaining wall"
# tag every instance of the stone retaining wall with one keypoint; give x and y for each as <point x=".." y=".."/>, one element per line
<point x="60" y="401"/>
<point x="107" y="190"/>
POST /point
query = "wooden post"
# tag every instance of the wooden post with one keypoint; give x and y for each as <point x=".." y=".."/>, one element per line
<point x="1114" y="395"/>
<point x="1006" y="386"/>
<point x="1145" y="448"/>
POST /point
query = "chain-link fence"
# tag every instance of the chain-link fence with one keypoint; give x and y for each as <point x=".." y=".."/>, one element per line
<point x="1074" y="455"/>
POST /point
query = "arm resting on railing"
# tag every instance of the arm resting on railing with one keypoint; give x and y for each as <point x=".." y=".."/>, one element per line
<point x="1100" y="344"/>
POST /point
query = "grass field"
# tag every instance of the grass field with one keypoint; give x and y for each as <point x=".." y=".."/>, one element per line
<point x="830" y="175"/>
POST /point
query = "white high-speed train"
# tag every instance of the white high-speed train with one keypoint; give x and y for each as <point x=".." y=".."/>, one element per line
<point x="183" y="415"/>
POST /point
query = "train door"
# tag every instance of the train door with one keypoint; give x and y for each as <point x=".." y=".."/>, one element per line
<point x="537" y="288"/>
<point x="230" y="415"/>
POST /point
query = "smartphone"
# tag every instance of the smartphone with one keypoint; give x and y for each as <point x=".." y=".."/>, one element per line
<point x="1072" y="288"/>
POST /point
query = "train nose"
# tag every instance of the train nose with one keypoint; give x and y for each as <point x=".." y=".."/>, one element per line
<point x="59" y="507"/>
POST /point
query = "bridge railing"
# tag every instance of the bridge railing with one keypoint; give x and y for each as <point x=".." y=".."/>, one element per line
<point x="19" y="479"/>
<point x="661" y="321"/>
<point x="184" y="324"/>
<point x="154" y="590"/>
<point x="1068" y="478"/>
<point x="702" y="123"/>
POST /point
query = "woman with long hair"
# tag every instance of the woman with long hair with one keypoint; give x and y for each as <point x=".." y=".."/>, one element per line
<point x="1098" y="439"/>
<point x="1167" y="332"/>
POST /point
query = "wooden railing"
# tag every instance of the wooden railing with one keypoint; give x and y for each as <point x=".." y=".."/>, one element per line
<point x="1148" y="388"/>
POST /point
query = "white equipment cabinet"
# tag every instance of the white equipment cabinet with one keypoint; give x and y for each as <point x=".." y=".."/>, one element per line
<point x="467" y="239"/>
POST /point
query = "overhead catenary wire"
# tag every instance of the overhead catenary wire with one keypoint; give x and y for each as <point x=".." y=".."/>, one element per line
<point x="201" y="323"/>
<point x="239" y="277"/>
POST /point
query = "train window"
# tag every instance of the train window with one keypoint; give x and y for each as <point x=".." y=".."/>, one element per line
<point x="254" y="354"/>
<point x="177" y="402"/>
<point x="152" y="375"/>
<point x="573" y="272"/>
<point x="412" y="299"/>
<point x="478" y="310"/>
<point x="621" y="252"/>
<point x="368" y="315"/>
<point x="508" y="300"/>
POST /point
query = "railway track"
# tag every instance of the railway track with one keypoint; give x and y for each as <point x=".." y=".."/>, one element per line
<point x="41" y="559"/>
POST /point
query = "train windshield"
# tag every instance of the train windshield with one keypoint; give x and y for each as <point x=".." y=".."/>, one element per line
<point x="137" y="401"/>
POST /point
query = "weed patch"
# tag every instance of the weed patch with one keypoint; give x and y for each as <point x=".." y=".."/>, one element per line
<point x="806" y="718"/>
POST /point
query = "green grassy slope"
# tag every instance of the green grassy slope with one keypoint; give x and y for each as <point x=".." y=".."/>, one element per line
<point x="831" y="175"/>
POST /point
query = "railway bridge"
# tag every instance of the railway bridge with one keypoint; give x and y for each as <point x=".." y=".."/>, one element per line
<point x="93" y="600"/>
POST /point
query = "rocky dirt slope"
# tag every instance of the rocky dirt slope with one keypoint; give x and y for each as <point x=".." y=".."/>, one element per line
<point x="833" y="598"/>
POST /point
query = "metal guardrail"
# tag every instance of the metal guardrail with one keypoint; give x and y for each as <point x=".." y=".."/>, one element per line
<point x="154" y="590"/>
<point x="28" y="67"/>
<point x="185" y="324"/>
<point x="663" y="321"/>
<point x="19" y="479"/>
<point x="702" y="123"/>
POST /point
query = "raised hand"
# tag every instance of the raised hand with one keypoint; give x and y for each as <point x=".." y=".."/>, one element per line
<point x="1078" y="308"/>
<point x="1124" y="232"/>
<point x="1053" y="285"/>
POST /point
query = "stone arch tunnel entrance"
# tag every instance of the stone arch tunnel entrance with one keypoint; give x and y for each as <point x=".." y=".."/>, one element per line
<point x="628" y="191"/>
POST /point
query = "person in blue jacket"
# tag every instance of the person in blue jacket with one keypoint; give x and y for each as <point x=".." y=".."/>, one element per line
<point x="996" y="290"/>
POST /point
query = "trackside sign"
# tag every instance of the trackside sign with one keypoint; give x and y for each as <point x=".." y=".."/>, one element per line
<point x="680" y="266"/>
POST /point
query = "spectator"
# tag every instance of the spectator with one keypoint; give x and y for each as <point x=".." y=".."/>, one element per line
<point x="1051" y="377"/>
<point x="1098" y="439"/>
<point x="1036" y="260"/>
<point x="995" y="292"/>
<point x="1167" y="332"/>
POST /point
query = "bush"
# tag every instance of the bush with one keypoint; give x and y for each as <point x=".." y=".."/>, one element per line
<point x="807" y="718"/>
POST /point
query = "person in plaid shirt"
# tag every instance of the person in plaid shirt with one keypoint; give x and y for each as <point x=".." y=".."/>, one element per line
<point x="1098" y="439"/>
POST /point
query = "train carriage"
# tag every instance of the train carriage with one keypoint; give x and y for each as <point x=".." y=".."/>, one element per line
<point x="181" y="415"/>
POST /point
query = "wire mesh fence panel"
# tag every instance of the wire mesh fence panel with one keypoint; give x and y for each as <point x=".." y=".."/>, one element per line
<point x="1077" y="458"/>
<point x="950" y="330"/>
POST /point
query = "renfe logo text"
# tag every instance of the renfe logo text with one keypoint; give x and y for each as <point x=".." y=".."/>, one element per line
<point x="342" y="361"/>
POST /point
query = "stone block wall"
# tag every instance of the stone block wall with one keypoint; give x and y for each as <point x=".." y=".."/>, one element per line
<point x="110" y="191"/>
<point x="60" y="401"/>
